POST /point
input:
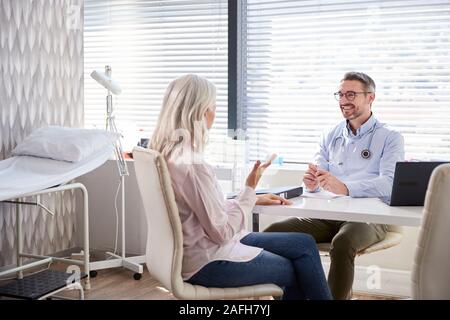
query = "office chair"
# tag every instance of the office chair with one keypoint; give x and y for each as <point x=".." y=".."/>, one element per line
<point x="430" y="275"/>
<point x="164" y="252"/>
<point x="393" y="237"/>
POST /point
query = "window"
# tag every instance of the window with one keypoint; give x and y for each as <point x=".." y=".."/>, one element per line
<point x="148" y="44"/>
<point x="295" y="53"/>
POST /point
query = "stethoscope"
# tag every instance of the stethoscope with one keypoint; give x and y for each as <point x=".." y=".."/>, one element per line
<point x="365" y="153"/>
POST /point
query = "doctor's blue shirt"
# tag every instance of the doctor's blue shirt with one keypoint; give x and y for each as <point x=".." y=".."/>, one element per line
<point x="340" y="153"/>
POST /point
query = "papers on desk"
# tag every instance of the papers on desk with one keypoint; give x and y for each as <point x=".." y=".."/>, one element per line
<point x="322" y="194"/>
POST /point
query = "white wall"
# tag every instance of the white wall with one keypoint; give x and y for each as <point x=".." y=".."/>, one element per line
<point x="102" y="184"/>
<point x="41" y="84"/>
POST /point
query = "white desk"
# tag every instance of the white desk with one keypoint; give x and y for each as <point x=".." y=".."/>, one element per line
<point x="370" y="210"/>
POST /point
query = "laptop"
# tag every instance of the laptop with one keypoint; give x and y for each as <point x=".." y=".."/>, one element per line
<point x="410" y="183"/>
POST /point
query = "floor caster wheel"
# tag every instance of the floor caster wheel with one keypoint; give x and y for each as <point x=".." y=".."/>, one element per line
<point x="137" y="276"/>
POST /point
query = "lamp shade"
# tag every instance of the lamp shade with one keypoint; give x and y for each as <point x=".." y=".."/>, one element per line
<point x="106" y="81"/>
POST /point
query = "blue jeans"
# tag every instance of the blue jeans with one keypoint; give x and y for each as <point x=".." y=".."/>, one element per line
<point x="289" y="260"/>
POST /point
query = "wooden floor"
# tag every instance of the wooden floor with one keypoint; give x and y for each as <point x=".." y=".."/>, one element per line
<point x="118" y="284"/>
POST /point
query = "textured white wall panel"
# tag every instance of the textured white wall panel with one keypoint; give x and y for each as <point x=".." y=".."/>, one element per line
<point x="41" y="83"/>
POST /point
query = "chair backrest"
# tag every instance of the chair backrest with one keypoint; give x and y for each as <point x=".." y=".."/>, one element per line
<point x="164" y="253"/>
<point x="164" y="260"/>
<point x="432" y="261"/>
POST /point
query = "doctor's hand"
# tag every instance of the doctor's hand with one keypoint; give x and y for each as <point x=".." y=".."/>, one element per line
<point x="270" y="199"/>
<point x="330" y="183"/>
<point x="257" y="171"/>
<point x="309" y="178"/>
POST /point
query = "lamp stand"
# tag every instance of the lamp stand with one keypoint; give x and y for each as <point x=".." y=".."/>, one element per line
<point x="132" y="263"/>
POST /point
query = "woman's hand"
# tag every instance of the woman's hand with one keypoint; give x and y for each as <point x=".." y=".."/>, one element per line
<point x="271" y="199"/>
<point x="257" y="171"/>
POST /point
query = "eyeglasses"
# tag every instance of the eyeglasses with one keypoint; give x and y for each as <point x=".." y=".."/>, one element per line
<point x="349" y="95"/>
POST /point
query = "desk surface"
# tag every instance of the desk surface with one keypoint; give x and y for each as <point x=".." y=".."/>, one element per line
<point x="370" y="210"/>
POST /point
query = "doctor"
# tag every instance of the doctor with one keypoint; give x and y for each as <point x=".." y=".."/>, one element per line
<point x="356" y="158"/>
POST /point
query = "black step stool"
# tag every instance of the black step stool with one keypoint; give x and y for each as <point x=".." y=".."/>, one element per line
<point x="41" y="285"/>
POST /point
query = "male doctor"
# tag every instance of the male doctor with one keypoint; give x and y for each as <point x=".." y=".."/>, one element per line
<point x="356" y="158"/>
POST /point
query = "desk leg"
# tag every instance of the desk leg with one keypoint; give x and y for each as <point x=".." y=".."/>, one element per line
<point x="255" y="222"/>
<point x="19" y="241"/>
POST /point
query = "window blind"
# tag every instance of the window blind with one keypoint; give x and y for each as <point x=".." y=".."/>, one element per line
<point x="296" y="52"/>
<point x="148" y="44"/>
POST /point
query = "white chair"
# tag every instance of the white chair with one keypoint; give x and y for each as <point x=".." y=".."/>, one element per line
<point x="164" y="251"/>
<point x="430" y="275"/>
<point x="393" y="237"/>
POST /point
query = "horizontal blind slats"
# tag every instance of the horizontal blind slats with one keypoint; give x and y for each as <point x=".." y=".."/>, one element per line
<point x="297" y="51"/>
<point x="149" y="43"/>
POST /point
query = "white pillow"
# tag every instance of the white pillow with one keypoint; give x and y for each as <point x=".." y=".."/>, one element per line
<point x="62" y="143"/>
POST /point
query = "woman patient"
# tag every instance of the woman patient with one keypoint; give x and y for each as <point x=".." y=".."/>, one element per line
<point x="218" y="251"/>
